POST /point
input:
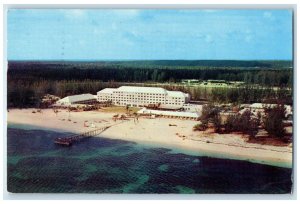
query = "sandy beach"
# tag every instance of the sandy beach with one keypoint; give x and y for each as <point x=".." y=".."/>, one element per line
<point x="179" y="137"/>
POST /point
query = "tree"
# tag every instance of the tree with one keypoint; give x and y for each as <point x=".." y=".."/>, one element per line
<point x="211" y="114"/>
<point x="231" y="123"/>
<point x="200" y="127"/>
<point x="216" y="120"/>
<point x="245" y="123"/>
<point x="273" y="121"/>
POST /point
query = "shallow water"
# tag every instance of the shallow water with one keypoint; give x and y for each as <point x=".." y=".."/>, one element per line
<point x="99" y="165"/>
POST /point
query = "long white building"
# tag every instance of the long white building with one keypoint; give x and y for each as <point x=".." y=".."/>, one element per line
<point x="77" y="99"/>
<point x="179" y="114"/>
<point x="260" y="107"/>
<point x="143" y="96"/>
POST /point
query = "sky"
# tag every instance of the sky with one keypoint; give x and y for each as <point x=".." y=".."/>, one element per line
<point x="143" y="34"/>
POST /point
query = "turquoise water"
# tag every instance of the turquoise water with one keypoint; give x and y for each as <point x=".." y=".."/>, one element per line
<point x="98" y="165"/>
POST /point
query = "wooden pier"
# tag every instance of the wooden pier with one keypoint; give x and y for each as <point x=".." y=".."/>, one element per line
<point x="67" y="141"/>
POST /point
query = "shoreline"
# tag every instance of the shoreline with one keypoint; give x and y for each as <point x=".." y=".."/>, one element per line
<point x="156" y="133"/>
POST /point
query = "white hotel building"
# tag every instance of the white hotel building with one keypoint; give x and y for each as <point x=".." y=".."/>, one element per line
<point x="143" y="96"/>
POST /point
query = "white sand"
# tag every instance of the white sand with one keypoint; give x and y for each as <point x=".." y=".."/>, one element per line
<point x="49" y="120"/>
<point x="157" y="132"/>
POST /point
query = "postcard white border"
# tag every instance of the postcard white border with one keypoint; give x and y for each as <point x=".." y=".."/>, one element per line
<point x="133" y="4"/>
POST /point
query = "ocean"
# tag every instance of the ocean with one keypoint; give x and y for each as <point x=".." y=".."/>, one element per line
<point x="99" y="165"/>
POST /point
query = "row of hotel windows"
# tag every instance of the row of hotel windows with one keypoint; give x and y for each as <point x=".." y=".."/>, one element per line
<point x="143" y="100"/>
<point x="130" y="99"/>
<point x="126" y="93"/>
<point x="141" y="104"/>
<point x="147" y="101"/>
<point x="141" y="95"/>
<point x="113" y="97"/>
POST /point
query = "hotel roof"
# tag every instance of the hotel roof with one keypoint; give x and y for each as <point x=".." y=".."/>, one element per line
<point x="81" y="97"/>
<point x="169" y="113"/>
<point x="139" y="89"/>
<point x="175" y="94"/>
<point x="107" y="90"/>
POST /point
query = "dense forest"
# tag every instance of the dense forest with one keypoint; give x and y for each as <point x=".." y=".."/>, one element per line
<point x="29" y="81"/>
<point x="121" y="73"/>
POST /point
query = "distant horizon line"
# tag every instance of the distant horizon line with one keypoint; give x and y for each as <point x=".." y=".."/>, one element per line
<point x="112" y="60"/>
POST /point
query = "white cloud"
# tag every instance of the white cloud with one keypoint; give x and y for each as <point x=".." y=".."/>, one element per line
<point x="98" y="32"/>
<point x="210" y="10"/>
<point x="126" y="12"/>
<point x="195" y="11"/>
<point x="82" y="42"/>
<point x="268" y="15"/>
<point x="114" y="26"/>
<point x="74" y="13"/>
<point x="208" y="39"/>
<point x="247" y="31"/>
<point x="248" y="38"/>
